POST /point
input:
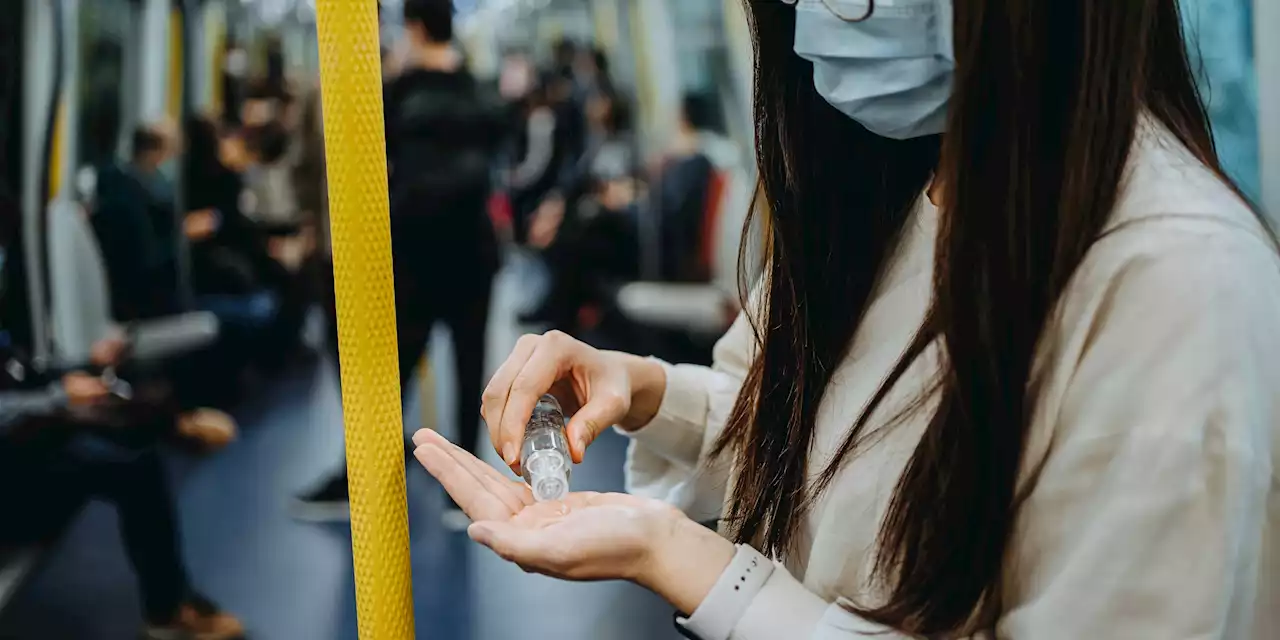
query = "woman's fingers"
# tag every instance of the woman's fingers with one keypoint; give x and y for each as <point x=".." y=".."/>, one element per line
<point x="476" y="500"/>
<point x="494" y="400"/>
<point x="422" y="436"/>
<point x="549" y="360"/>
<point x="514" y="494"/>
<point x="605" y="408"/>
<point x="538" y="364"/>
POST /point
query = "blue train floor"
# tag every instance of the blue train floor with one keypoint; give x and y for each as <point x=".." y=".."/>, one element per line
<point x="290" y="580"/>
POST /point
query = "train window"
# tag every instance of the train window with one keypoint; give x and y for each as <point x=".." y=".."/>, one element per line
<point x="1222" y="48"/>
<point x="106" y="29"/>
<point x="699" y="28"/>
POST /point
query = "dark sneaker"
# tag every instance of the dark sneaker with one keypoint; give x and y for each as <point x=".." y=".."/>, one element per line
<point x="329" y="502"/>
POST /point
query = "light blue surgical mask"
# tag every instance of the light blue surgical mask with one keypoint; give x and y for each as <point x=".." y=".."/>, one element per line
<point x="887" y="64"/>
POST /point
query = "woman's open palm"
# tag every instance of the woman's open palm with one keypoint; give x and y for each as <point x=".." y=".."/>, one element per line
<point x="587" y="536"/>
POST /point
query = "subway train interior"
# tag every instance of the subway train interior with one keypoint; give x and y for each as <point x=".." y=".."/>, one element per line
<point x="167" y="273"/>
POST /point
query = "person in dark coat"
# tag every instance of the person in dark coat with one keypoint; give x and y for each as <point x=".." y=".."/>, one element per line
<point x="444" y="131"/>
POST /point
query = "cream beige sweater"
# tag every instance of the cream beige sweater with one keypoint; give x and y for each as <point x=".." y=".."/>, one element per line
<point x="1155" y="509"/>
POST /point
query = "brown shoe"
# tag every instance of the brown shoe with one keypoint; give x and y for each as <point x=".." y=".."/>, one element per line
<point x="209" y="429"/>
<point x="198" y="620"/>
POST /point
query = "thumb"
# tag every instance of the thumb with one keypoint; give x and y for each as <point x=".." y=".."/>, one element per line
<point x="602" y="411"/>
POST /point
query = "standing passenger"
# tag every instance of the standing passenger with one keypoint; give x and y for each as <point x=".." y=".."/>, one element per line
<point x="443" y="133"/>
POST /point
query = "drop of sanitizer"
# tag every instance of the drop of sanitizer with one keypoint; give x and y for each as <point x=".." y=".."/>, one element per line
<point x="544" y="455"/>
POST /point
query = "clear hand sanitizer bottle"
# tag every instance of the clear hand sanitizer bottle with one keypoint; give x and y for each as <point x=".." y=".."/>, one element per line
<point x="544" y="456"/>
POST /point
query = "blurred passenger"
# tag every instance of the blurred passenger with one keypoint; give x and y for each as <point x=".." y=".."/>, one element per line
<point x="540" y="158"/>
<point x="310" y="177"/>
<point x="273" y="206"/>
<point x="610" y="147"/>
<point x="275" y="73"/>
<point x="261" y="104"/>
<point x="232" y="270"/>
<point x="228" y="253"/>
<point x="591" y="73"/>
<point x="133" y="219"/>
<point x="311" y="186"/>
<point x="51" y="464"/>
<point x="235" y="77"/>
<point x="564" y="53"/>
<point x="517" y="76"/>
<point x="573" y="119"/>
<point x="682" y="197"/>
<point x="443" y="132"/>
<point x="39" y="448"/>
<point x="607" y="153"/>
<point x="269" y="196"/>
<point x="588" y="230"/>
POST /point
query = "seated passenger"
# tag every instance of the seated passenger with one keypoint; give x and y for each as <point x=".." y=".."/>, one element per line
<point x="588" y="231"/>
<point x="539" y="153"/>
<point x="49" y="466"/>
<point x="682" y="190"/>
<point x="265" y="159"/>
<point x="270" y="195"/>
<point x="133" y="221"/>
<point x="47" y="472"/>
<point x="261" y="104"/>
<point x="229" y="253"/>
<point x="233" y="273"/>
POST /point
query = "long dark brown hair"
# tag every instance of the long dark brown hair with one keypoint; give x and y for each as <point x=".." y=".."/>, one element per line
<point x="1047" y="100"/>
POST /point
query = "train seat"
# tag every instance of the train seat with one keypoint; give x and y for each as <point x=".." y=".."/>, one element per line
<point x="698" y="309"/>
<point x="81" y="299"/>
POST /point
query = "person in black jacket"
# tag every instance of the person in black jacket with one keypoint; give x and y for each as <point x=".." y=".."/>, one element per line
<point x="133" y="221"/>
<point x="443" y="133"/>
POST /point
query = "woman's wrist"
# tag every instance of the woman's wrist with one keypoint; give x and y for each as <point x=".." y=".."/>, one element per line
<point x="648" y="385"/>
<point x="684" y="564"/>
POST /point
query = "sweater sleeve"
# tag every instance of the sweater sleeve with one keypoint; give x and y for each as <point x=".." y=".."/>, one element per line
<point x="667" y="459"/>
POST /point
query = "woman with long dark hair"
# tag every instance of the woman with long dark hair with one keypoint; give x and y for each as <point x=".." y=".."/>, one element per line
<point x="1010" y="370"/>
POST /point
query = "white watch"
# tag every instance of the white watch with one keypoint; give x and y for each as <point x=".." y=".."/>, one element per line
<point x="728" y="600"/>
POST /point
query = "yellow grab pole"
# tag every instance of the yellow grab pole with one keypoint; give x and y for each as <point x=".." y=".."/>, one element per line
<point x="351" y="87"/>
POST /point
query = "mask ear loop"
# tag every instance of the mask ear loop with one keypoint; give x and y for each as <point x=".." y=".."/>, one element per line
<point x="871" y="8"/>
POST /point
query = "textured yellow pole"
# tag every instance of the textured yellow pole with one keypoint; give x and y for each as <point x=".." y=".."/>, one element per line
<point x="351" y="86"/>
